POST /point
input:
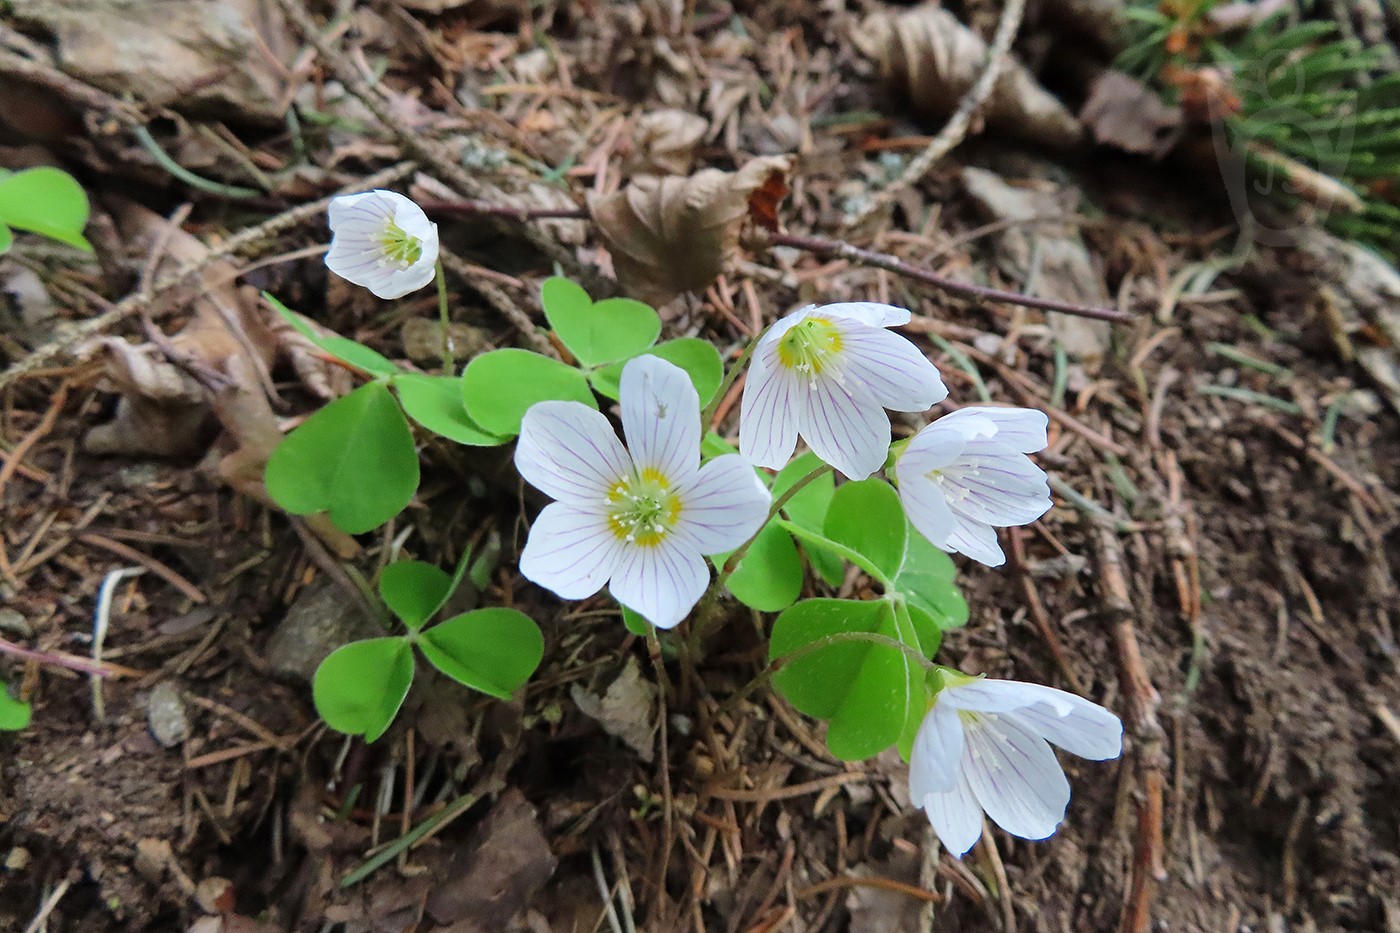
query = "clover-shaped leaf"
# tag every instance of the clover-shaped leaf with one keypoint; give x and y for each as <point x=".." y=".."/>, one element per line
<point x="599" y="332"/>
<point x="359" y="688"/>
<point x="492" y="650"/>
<point x="43" y="200"/>
<point x="414" y="590"/>
<point x="500" y="386"/>
<point x="342" y="348"/>
<point x="14" y="715"/>
<point x="354" y="459"/>
<point x="435" y="402"/>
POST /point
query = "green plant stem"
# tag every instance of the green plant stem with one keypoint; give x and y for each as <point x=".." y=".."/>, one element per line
<point x="163" y="159"/>
<point x="708" y="414"/>
<point x="449" y="362"/>
<point x="778" y="663"/>
<point x="729" y="566"/>
<point x="453" y="810"/>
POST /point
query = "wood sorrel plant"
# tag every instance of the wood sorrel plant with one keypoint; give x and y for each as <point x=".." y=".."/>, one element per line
<point x="642" y="517"/>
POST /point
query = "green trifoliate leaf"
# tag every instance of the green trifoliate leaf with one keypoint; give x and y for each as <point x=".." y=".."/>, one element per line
<point x="414" y="590"/>
<point x="598" y="332"/>
<point x="342" y="348"/>
<point x="867" y="518"/>
<point x="635" y="624"/>
<point x="866" y="691"/>
<point x="359" y="688"/>
<point x="500" y="386"/>
<point x="699" y="359"/>
<point x="928" y="581"/>
<point x="14" y="715"/>
<point x="491" y="650"/>
<point x="435" y="402"/>
<point x="769" y="577"/>
<point x="808" y="509"/>
<point x="47" y="201"/>
<point x="354" y="459"/>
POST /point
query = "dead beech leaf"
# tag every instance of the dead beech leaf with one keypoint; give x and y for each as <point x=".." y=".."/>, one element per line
<point x="926" y="54"/>
<point x="626" y="711"/>
<point x="670" y="235"/>
<point x="665" y="141"/>
<point x="1126" y="114"/>
<point x="209" y="382"/>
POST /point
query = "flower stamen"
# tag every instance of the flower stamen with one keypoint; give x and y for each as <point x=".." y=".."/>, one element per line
<point x="643" y="508"/>
<point x="809" y="346"/>
<point x="401" y="249"/>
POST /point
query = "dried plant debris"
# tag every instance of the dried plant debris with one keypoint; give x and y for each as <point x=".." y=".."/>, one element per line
<point x="665" y="141"/>
<point x="674" y="234"/>
<point x="219" y="57"/>
<point x="1126" y="114"/>
<point x="626" y="711"/>
<point x="933" y="59"/>
<point x="1051" y="257"/>
<point x="219" y="364"/>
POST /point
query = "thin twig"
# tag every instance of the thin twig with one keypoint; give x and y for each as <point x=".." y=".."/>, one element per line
<point x="49" y="904"/>
<point x="844" y="250"/>
<point x="955" y="130"/>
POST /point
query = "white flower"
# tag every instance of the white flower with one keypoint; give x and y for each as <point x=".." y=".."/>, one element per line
<point x="382" y="241"/>
<point x="642" y="520"/>
<point x="985" y="746"/>
<point x="968" y="473"/>
<point x="827" y="373"/>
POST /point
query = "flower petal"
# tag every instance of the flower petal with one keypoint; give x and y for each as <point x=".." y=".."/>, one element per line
<point x="661" y="417"/>
<point x="660" y="582"/>
<point x="893" y="371"/>
<point x="926" y="507"/>
<point x="723" y="506"/>
<point x="870" y="313"/>
<point x="849" y="431"/>
<point x="570" y="551"/>
<point x="935" y="759"/>
<point x="999" y="490"/>
<point x="1075" y="724"/>
<point x="569" y="452"/>
<point x="1015" y="777"/>
<point x="768" y="413"/>
<point x="1022" y="429"/>
<point x="934" y="447"/>
<point x="956" y="817"/>
<point x="976" y="540"/>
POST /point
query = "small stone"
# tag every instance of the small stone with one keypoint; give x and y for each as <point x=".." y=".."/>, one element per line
<point x="214" y="895"/>
<point x="422" y="340"/>
<point x="165" y="714"/>
<point x="14" y="623"/>
<point x="18" y="859"/>
<point x="321" y="619"/>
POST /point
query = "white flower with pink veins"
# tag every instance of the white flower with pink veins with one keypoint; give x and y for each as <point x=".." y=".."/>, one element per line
<point x="827" y="374"/>
<point x="985" y="746"/>
<point x="382" y="241"/>
<point x="967" y="474"/>
<point x="639" y="518"/>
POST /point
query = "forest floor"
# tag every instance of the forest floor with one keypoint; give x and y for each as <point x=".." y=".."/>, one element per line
<point x="1219" y="569"/>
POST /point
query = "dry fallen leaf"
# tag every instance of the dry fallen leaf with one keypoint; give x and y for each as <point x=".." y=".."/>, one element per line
<point x="928" y="55"/>
<point x="665" y="141"/>
<point x="670" y="235"/>
<point x="626" y="710"/>
<point x="1126" y="114"/>
<point x="213" y="373"/>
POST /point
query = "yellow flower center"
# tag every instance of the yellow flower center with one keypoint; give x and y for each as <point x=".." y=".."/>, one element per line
<point x="809" y="345"/>
<point x="643" y="508"/>
<point x="400" y="249"/>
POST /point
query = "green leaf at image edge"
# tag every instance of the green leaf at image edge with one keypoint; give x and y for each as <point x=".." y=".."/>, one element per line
<point x="47" y="201"/>
<point x="359" y="688"/>
<point x="414" y="590"/>
<point x="342" y="348"/>
<point x="597" y="332"/>
<point x="492" y="650"/>
<point x="353" y="459"/>
<point x="500" y="386"/>
<point x="435" y="402"/>
<point x="14" y="715"/>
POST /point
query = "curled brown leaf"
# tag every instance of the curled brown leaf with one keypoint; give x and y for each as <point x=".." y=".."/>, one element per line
<point x="926" y="54"/>
<point x="671" y="235"/>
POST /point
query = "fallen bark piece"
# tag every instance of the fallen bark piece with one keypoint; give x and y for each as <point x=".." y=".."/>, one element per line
<point x="1126" y="114"/>
<point x="933" y="59"/>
